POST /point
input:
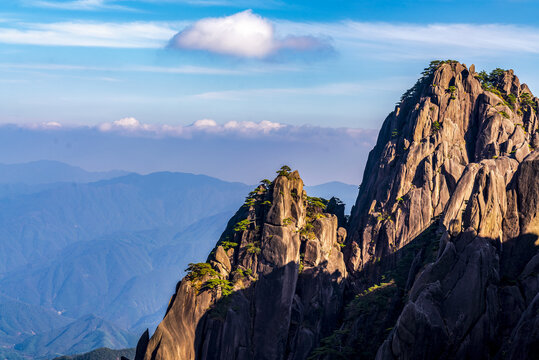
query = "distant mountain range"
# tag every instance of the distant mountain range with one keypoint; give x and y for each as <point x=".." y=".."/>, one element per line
<point x="101" y="354"/>
<point x="82" y="335"/>
<point x="79" y="248"/>
<point x="47" y="172"/>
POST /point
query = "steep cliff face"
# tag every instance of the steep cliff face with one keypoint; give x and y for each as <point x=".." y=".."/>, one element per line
<point x="467" y="188"/>
<point x="441" y="260"/>
<point x="257" y="297"/>
<point x="452" y="117"/>
<point x="483" y="290"/>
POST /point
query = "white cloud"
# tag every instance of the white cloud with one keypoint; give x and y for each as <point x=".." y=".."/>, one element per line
<point x="337" y="89"/>
<point x="130" y="125"/>
<point x="76" y="4"/>
<point x="204" y="123"/>
<point x="179" y="70"/>
<point x="243" y="34"/>
<point x="378" y="39"/>
<point x="50" y="125"/>
<point x="90" y="34"/>
<point x="187" y="69"/>
<point x="249" y="35"/>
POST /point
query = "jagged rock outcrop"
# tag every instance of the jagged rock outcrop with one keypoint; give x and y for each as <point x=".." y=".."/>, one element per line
<point x="452" y="117"/>
<point x="484" y="287"/>
<point x="441" y="252"/>
<point x="272" y="287"/>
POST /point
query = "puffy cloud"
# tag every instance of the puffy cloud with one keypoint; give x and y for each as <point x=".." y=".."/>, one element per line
<point x="130" y="125"/>
<point x="204" y="123"/>
<point x="127" y="123"/>
<point x="243" y="34"/>
<point x="264" y="126"/>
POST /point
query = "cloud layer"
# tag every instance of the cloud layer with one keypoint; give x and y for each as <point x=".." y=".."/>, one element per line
<point x="132" y="126"/>
<point x="244" y="35"/>
<point x="75" y="4"/>
<point x="237" y="151"/>
<point x="248" y="35"/>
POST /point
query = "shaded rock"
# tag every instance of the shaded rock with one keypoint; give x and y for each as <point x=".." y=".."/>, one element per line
<point x="273" y="292"/>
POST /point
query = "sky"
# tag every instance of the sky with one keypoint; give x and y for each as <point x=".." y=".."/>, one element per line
<point x="243" y="69"/>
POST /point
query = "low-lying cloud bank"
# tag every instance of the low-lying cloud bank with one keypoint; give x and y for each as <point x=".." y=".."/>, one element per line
<point x="236" y="151"/>
<point x="130" y="126"/>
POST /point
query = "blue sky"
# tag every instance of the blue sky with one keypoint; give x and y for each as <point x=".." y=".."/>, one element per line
<point x="248" y="67"/>
<point x="94" y="61"/>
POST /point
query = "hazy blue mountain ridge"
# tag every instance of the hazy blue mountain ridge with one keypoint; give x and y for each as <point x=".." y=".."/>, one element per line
<point x="113" y="248"/>
<point x="48" y="171"/>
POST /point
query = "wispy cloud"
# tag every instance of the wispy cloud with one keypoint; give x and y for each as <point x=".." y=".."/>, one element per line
<point x="244" y="34"/>
<point x="85" y="5"/>
<point x="337" y="89"/>
<point x="188" y="69"/>
<point x="248" y="35"/>
<point x="90" y="34"/>
<point x="418" y="40"/>
<point x="177" y="70"/>
<point x="225" y="3"/>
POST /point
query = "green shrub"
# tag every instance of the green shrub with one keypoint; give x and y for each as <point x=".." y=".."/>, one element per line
<point x="452" y="89"/>
<point x="253" y="247"/>
<point x="284" y="170"/>
<point x="224" y="285"/>
<point x="436" y="126"/>
<point x="504" y="114"/>
<point x="242" y="225"/>
<point x="196" y="271"/>
<point x="308" y="231"/>
<point x="383" y="217"/>
<point x="316" y="202"/>
<point x="287" y="221"/>
<point x="249" y="202"/>
<point x="228" y="245"/>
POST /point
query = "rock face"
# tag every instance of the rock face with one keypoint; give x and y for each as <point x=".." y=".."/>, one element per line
<point x="445" y="122"/>
<point x="484" y="286"/>
<point x="272" y="287"/>
<point x="440" y="257"/>
<point x="465" y="152"/>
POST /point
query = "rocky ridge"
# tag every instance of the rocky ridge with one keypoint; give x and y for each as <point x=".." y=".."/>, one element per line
<point x="441" y="257"/>
<point x="277" y="264"/>
<point x="452" y="117"/>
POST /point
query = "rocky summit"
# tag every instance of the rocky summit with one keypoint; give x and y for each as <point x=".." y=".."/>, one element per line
<point x="438" y="260"/>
